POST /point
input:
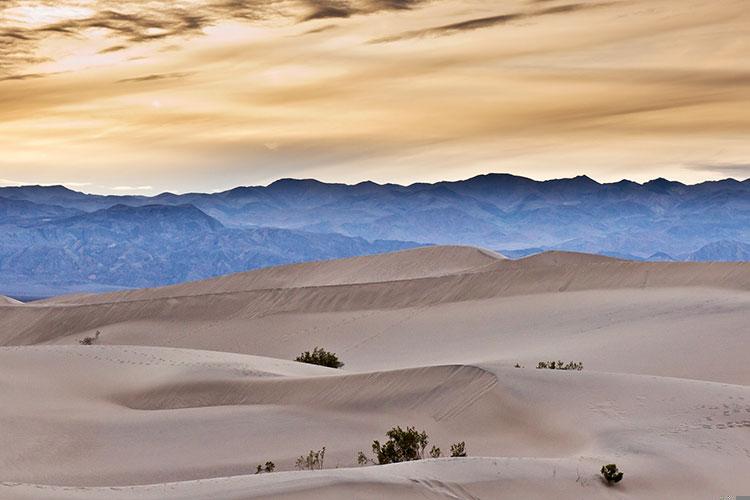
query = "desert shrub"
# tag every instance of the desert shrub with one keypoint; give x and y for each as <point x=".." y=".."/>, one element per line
<point x="320" y="356"/>
<point x="559" y="365"/>
<point x="269" y="467"/>
<point x="458" y="449"/>
<point x="403" y="445"/>
<point x="313" y="460"/>
<point x="90" y="340"/>
<point x="611" y="474"/>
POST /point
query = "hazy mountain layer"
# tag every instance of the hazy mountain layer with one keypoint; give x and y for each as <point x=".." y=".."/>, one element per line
<point x="151" y="245"/>
<point x="56" y="236"/>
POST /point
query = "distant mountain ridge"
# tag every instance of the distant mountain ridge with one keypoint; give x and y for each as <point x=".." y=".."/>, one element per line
<point x="124" y="246"/>
<point x="48" y="231"/>
<point x="728" y="251"/>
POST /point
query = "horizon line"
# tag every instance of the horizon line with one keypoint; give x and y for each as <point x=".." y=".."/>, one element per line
<point x="77" y="187"/>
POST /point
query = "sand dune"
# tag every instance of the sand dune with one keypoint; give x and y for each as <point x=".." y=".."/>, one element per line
<point x="396" y="266"/>
<point x="430" y="338"/>
<point x="611" y="315"/>
<point x="122" y="416"/>
<point x="8" y="301"/>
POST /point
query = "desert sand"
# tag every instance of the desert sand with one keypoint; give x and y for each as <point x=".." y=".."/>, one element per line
<point x="8" y="300"/>
<point x="189" y="387"/>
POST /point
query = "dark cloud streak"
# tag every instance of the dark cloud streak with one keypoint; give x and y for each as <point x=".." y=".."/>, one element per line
<point x="484" y="22"/>
<point x="155" y="77"/>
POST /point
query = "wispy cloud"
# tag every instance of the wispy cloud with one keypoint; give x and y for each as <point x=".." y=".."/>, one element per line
<point x="11" y="182"/>
<point x="739" y="171"/>
<point x="485" y="22"/>
<point x="132" y="188"/>
<point x="155" y="77"/>
<point x="22" y="76"/>
<point x="113" y="48"/>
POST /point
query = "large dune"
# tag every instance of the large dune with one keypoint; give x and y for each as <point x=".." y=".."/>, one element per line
<point x="191" y="387"/>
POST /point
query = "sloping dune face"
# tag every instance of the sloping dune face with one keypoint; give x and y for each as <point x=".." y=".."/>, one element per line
<point x="398" y="266"/>
<point x="464" y="305"/>
<point x="8" y="301"/>
<point x="188" y="388"/>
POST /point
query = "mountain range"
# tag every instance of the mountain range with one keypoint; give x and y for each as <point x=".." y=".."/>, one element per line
<point x="58" y="240"/>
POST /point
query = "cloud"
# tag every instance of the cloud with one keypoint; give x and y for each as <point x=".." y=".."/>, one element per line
<point x="10" y="182"/>
<point x="114" y="48"/>
<point x="129" y="22"/>
<point x="327" y="11"/>
<point x="132" y="188"/>
<point x="22" y="76"/>
<point x="77" y="184"/>
<point x="155" y="77"/>
<point x="322" y="29"/>
<point x="735" y="170"/>
<point x="483" y="22"/>
<point x="452" y="28"/>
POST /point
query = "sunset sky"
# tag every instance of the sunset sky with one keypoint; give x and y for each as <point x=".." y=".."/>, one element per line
<point x="147" y="96"/>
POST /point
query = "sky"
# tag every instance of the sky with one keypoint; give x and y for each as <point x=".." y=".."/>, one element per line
<point x="121" y="96"/>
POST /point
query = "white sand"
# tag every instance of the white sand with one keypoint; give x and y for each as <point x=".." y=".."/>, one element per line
<point x="429" y="338"/>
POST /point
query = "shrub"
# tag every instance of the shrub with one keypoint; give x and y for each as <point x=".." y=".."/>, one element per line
<point x="611" y="474"/>
<point x="362" y="458"/>
<point x="269" y="467"/>
<point x="320" y="356"/>
<point x="402" y="446"/>
<point x="458" y="449"/>
<point x="435" y="452"/>
<point x="559" y="365"/>
<point x="313" y="460"/>
<point x="90" y="340"/>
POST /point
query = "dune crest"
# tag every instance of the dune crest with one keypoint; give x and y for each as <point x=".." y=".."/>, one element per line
<point x="8" y="301"/>
<point x="423" y="262"/>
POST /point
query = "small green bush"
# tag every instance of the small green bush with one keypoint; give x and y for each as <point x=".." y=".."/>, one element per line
<point x="313" y="460"/>
<point x="320" y="356"/>
<point x="458" y="449"/>
<point x="611" y="474"/>
<point x="403" y="445"/>
<point x="559" y="365"/>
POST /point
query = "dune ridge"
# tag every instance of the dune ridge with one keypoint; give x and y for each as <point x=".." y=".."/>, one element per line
<point x="9" y="301"/>
<point x="377" y="268"/>
<point x="244" y="294"/>
<point x="189" y="387"/>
